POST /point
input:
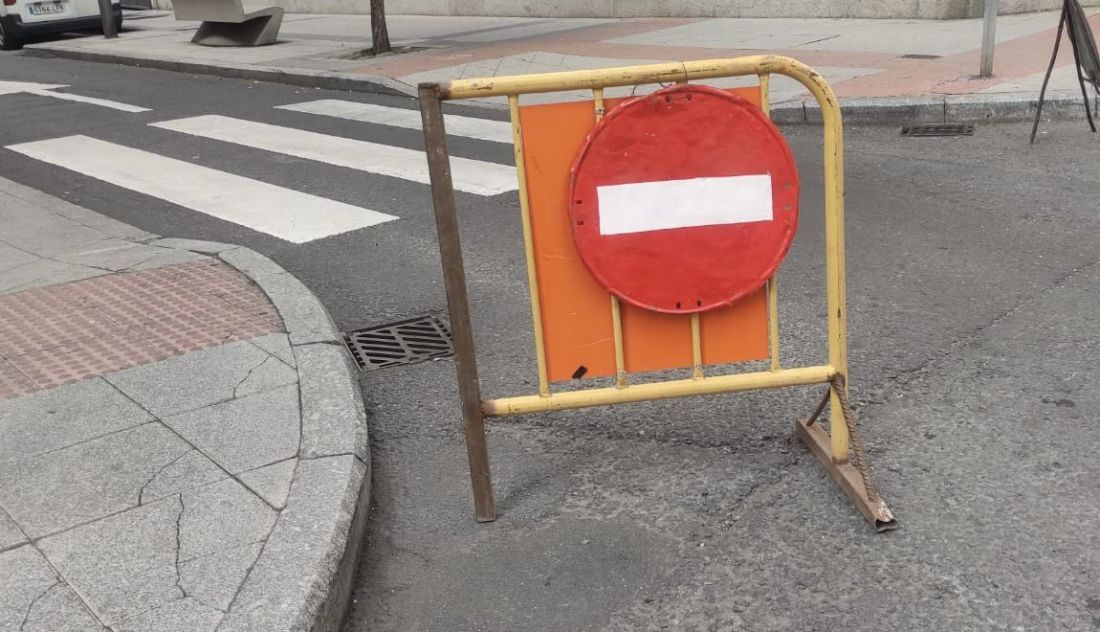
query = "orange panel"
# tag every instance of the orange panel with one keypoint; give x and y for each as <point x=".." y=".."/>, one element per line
<point x="576" y="311"/>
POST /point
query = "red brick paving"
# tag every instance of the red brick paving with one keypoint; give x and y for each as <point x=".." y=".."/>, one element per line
<point x="73" y="331"/>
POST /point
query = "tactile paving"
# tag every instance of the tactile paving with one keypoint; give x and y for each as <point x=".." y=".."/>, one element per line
<point x="73" y="331"/>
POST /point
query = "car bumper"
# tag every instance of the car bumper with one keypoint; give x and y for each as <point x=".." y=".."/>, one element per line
<point x="14" y="24"/>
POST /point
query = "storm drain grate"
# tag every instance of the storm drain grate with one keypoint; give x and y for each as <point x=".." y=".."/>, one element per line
<point x="395" y="344"/>
<point x="938" y="130"/>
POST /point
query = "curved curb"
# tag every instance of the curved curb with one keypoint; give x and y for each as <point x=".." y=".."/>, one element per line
<point x="302" y="578"/>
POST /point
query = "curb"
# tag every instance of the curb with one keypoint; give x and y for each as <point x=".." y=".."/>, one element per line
<point x="302" y="579"/>
<point x="324" y="79"/>
<point x="967" y="108"/>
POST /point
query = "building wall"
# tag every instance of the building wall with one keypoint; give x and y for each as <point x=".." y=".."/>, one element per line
<point x="927" y="9"/>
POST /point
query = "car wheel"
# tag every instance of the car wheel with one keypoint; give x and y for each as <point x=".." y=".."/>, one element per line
<point x="7" y="40"/>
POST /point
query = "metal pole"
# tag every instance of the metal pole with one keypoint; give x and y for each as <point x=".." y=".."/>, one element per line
<point x="107" y="20"/>
<point x="989" y="37"/>
<point x="458" y="303"/>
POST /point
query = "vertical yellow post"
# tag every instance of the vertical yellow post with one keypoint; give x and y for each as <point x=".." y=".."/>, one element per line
<point x="765" y="97"/>
<point x="773" y="286"/>
<point x="616" y="308"/>
<point x="529" y="245"/>
<point x="834" y="267"/>
<point x="696" y="348"/>
<point x="773" y="323"/>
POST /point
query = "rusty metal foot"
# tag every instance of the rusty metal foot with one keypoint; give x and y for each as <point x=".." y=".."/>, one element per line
<point x="845" y="475"/>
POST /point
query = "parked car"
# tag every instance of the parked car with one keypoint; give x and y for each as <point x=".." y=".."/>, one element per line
<point x="23" y="19"/>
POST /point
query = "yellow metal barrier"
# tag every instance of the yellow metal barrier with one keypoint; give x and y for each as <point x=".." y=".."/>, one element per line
<point x="832" y="449"/>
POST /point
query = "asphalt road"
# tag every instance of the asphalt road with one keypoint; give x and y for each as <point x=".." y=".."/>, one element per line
<point x="973" y="278"/>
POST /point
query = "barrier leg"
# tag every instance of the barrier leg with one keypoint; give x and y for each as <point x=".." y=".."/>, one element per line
<point x="458" y="305"/>
<point x="854" y="479"/>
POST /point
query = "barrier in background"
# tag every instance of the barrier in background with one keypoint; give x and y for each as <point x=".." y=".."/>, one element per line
<point x="593" y="201"/>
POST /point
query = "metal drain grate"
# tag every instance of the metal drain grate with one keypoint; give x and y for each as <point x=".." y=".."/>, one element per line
<point x="405" y="342"/>
<point x="938" y="130"/>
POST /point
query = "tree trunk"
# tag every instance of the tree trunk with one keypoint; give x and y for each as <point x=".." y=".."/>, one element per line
<point x="379" y="34"/>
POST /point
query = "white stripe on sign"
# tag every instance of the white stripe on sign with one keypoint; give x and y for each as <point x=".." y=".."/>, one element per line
<point x="471" y="176"/>
<point x="482" y="129"/>
<point x="285" y="213"/>
<point x="648" y="206"/>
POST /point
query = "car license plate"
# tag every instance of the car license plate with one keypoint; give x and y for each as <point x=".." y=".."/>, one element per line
<point x="46" y="8"/>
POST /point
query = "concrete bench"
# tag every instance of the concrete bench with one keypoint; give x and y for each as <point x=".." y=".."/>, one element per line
<point x="225" y="22"/>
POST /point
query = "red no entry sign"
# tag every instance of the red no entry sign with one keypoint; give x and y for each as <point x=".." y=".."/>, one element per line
<point x="684" y="200"/>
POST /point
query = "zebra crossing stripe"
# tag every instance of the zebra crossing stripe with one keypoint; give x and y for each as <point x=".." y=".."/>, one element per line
<point x="471" y="176"/>
<point x="481" y="129"/>
<point x="284" y="213"/>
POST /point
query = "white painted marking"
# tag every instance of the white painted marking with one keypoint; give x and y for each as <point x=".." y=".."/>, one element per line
<point x="471" y="176"/>
<point x="495" y="131"/>
<point x="647" y="206"/>
<point x="45" y="90"/>
<point x="285" y="213"/>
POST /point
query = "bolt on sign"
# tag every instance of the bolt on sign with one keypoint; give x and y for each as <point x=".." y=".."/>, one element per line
<point x="653" y="228"/>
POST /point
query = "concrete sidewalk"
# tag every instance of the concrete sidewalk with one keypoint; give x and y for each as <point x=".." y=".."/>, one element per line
<point x="182" y="440"/>
<point x="898" y="68"/>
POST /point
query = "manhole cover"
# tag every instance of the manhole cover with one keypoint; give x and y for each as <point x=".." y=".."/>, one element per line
<point x="938" y="130"/>
<point x="405" y="342"/>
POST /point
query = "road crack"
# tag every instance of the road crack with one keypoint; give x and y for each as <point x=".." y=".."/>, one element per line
<point x="141" y="492"/>
<point x="30" y="606"/>
<point x="251" y="371"/>
<point x="179" y="576"/>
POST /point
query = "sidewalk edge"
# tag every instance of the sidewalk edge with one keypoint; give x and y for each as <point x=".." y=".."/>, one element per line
<point x="324" y="79"/>
<point x="302" y="579"/>
<point x="963" y="108"/>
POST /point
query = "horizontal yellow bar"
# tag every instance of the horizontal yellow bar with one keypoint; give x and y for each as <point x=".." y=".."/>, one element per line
<point x="627" y="76"/>
<point x="658" y="390"/>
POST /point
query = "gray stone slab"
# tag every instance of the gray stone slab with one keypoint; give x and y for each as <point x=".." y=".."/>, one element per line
<point x="78" y="214"/>
<point x="26" y="577"/>
<point x="306" y="321"/>
<point x="90" y="480"/>
<point x="277" y="345"/>
<point x="12" y="257"/>
<point x="196" y="544"/>
<point x="44" y="272"/>
<point x="116" y="255"/>
<point x="333" y="419"/>
<point x="189" y="470"/>
<point x="302" y="578"/>
<point x="194" y="245"/>
<point x="272" y="482"/>
<point x="304" y="318"/>
<point x="43" y="234"/>
<point x="33" y="598"/>
<point x="202" y="378"/>
<point x="220" y="517"/>
<point x="11" y="535"/>
<point x="60" y="417"/>
<point x="214" y="579"/>
<point x="60" y="610"/>
<point x="185" y="615"/>
<point x="245" y="433"/>
<point x="170" y="258"/>
<point x="124" y="564"/>
<point x="252" y="264"/>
